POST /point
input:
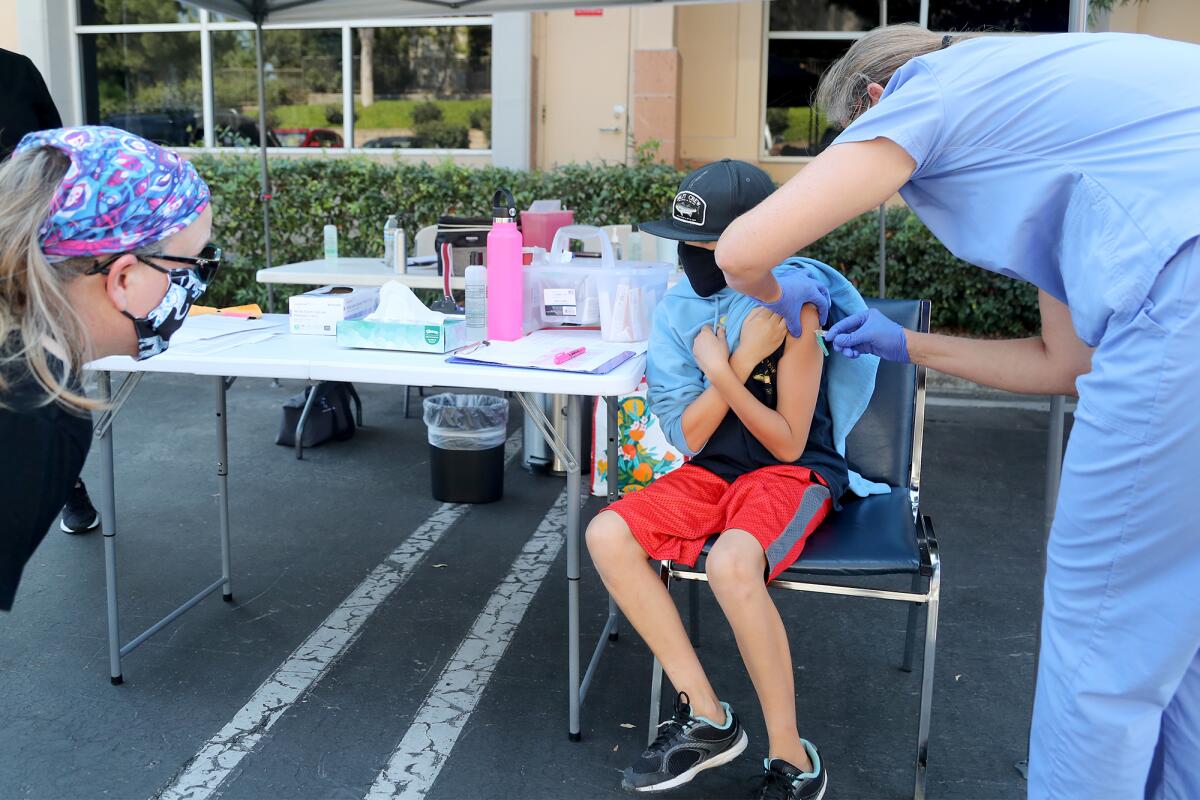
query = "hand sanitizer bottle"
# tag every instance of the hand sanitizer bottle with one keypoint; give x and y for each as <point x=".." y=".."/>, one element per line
<point x="331" y="250"/>
<point x="389" y="240"/>
<point x="476" y="301"/>
<point x="506" y="272"/>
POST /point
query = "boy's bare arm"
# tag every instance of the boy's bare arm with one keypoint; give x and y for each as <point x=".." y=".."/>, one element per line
<point x="784" y="431"/>
<point x="705" y="413"/>
<point x="762" y="333"/>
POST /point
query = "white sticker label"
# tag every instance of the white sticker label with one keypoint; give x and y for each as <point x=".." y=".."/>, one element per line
<point x="559" y="303"/>
<point x="559" y="297"/>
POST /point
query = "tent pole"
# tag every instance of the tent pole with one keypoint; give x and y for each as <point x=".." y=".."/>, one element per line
<point x="262" y="150"/>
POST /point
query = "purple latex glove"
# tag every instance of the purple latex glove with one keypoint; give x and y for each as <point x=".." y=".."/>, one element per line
<point x="869" y="332"/>
<point x="798" y="288"/>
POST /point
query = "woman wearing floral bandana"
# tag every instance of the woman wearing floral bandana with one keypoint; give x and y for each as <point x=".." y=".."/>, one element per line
<point x="103" y="248"/>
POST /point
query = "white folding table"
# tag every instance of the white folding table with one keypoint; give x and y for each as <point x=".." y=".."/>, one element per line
<point x="318" y="358"/>
<point x="354" y="272"/>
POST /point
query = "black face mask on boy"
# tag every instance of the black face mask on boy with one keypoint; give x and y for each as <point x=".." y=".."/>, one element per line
<point x="700" y="266"/>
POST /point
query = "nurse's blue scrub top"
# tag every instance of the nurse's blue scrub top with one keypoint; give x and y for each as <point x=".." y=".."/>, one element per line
<point x="1071" y="161"/>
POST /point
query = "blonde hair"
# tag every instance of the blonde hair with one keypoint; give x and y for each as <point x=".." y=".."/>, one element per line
<point x="37" y="323"/>
<point x="875" y="58"/>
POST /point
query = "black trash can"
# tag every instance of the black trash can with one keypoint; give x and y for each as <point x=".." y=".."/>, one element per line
<point x="466" y="446"/>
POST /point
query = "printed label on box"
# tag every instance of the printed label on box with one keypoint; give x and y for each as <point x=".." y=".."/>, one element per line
<point x="433" y="334"/>
<point x="560" y="303"/>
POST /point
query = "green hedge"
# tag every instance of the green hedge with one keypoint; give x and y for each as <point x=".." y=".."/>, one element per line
<point x="965" y="299"/>
<point x="358" y="194"/>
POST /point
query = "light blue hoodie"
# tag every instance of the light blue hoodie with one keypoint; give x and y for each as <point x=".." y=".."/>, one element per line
<point x="675" y="381"/>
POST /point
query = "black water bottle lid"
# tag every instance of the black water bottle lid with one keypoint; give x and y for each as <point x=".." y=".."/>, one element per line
<point x="504" y="207"/>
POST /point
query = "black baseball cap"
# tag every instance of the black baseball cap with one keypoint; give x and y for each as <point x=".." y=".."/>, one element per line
<point x="709" y="199"/>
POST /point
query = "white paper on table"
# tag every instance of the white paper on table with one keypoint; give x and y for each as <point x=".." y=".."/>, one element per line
<point x="538" y="349"/>
<point x="211" y="326"/>
<point x="220" y="344"/>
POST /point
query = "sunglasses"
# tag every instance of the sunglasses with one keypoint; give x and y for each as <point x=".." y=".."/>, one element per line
<point x="205" y="265"/>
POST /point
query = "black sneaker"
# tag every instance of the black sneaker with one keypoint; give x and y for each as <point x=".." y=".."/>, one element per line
<point x="79" y="515"/>
<point x="782" y="781"/>
<point x="685" y="747"/>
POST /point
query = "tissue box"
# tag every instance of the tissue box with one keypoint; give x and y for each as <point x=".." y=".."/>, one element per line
<point x="421" y="337"/>
<point x="319" y="311"/>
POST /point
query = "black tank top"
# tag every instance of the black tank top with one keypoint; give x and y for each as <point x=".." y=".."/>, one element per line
<point x="732" y="450"/>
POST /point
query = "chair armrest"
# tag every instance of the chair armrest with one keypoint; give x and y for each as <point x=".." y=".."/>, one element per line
<point x="927" y="542"/>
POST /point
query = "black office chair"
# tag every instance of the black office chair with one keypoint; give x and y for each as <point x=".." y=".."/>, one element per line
<point x="882" y="535"/>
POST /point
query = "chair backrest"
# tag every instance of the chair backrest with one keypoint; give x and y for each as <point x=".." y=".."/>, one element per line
<point x="885" y="445"/>
<point x="423" y="245"/>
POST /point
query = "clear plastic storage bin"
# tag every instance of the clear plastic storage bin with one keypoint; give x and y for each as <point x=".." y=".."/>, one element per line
<point x="628" y="295"/>
<point x="567" y="290"/>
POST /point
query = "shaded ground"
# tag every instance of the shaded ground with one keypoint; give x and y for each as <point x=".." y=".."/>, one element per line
<point x="306" y="533"/>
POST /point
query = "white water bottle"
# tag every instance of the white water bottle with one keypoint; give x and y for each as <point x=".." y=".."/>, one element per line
<point x="400" y="263"/>
<point x="476" y="300"/>
<point x="389" y="240"/>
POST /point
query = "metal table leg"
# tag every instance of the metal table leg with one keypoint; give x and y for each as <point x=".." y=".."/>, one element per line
<point x="223" y="488"/>
<point x="614" y="436"/>
<point x="108" y="519"/>
<point x="573" y="542"/>
<point x="569" y="453"/>
<point x="107" y="497"/>
<point x="308" y="404"/>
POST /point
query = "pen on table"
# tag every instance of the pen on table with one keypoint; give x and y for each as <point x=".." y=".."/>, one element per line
<point x="567" y="355"/>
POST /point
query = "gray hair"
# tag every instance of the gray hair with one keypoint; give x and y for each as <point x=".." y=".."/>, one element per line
<point x="874" y="58"/>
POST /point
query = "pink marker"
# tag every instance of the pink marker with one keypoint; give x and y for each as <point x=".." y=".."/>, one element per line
<point x="567" y="355"/>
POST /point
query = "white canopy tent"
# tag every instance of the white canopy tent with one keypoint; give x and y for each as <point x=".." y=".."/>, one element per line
<point x="282" y="11"/>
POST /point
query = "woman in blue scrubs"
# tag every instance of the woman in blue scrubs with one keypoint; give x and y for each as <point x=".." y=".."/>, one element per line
<point x="1070" y="161"/>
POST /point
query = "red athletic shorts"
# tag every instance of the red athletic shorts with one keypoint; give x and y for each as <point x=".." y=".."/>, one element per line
<point x="780" y="506"/>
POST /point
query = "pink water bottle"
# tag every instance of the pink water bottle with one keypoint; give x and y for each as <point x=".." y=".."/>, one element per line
<point x="505" y="272"/>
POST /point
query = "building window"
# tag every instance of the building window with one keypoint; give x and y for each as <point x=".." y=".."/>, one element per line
<point x="303" y="82"/>
<point x="426" y="88"/>
<point x="148" y="83"/>
<point x="188" y="78"/>
<point x="135" y="12"/>
<point x="804" y="37"/>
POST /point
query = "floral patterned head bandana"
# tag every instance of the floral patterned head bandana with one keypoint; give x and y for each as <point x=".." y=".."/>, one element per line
<point x="121" y="192"/>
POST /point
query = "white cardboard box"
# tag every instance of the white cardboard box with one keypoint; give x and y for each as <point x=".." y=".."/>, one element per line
<point x="319" y="311"/>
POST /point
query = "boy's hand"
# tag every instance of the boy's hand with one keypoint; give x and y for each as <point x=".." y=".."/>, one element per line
<point x="711" y="350"/>
<point x="762" y="333"/>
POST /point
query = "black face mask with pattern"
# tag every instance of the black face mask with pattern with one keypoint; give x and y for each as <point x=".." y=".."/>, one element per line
<point x="700" y="266"/>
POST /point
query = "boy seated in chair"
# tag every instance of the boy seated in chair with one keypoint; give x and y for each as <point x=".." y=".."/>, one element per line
<point x="764" y="473"/>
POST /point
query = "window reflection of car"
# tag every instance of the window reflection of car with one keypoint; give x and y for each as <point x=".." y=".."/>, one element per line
<point x="308" y="137"/>
<point x="174" y="127"/>
<point x="234" y="129"/>
<point x="391" y="141"/>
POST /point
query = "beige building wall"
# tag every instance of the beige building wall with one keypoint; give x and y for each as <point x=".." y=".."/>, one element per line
<point x="720" y="61"/>
<point x="8" y="26"/>
<point x="1171" y="19"/>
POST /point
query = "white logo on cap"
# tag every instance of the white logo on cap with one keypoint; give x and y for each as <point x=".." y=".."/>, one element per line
<point x="689" y="208"/>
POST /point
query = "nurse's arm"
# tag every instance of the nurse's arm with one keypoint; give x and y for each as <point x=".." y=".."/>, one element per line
<point x="1046" y="364"/>
<point x="844" y="181"/>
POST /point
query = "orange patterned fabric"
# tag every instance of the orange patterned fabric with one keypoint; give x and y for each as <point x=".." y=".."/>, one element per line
<point x="779" y="506"/>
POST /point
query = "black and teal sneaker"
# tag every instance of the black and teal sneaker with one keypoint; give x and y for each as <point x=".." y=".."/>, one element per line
<point x="685" y="747"/>
<point x="782" y="781"/>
